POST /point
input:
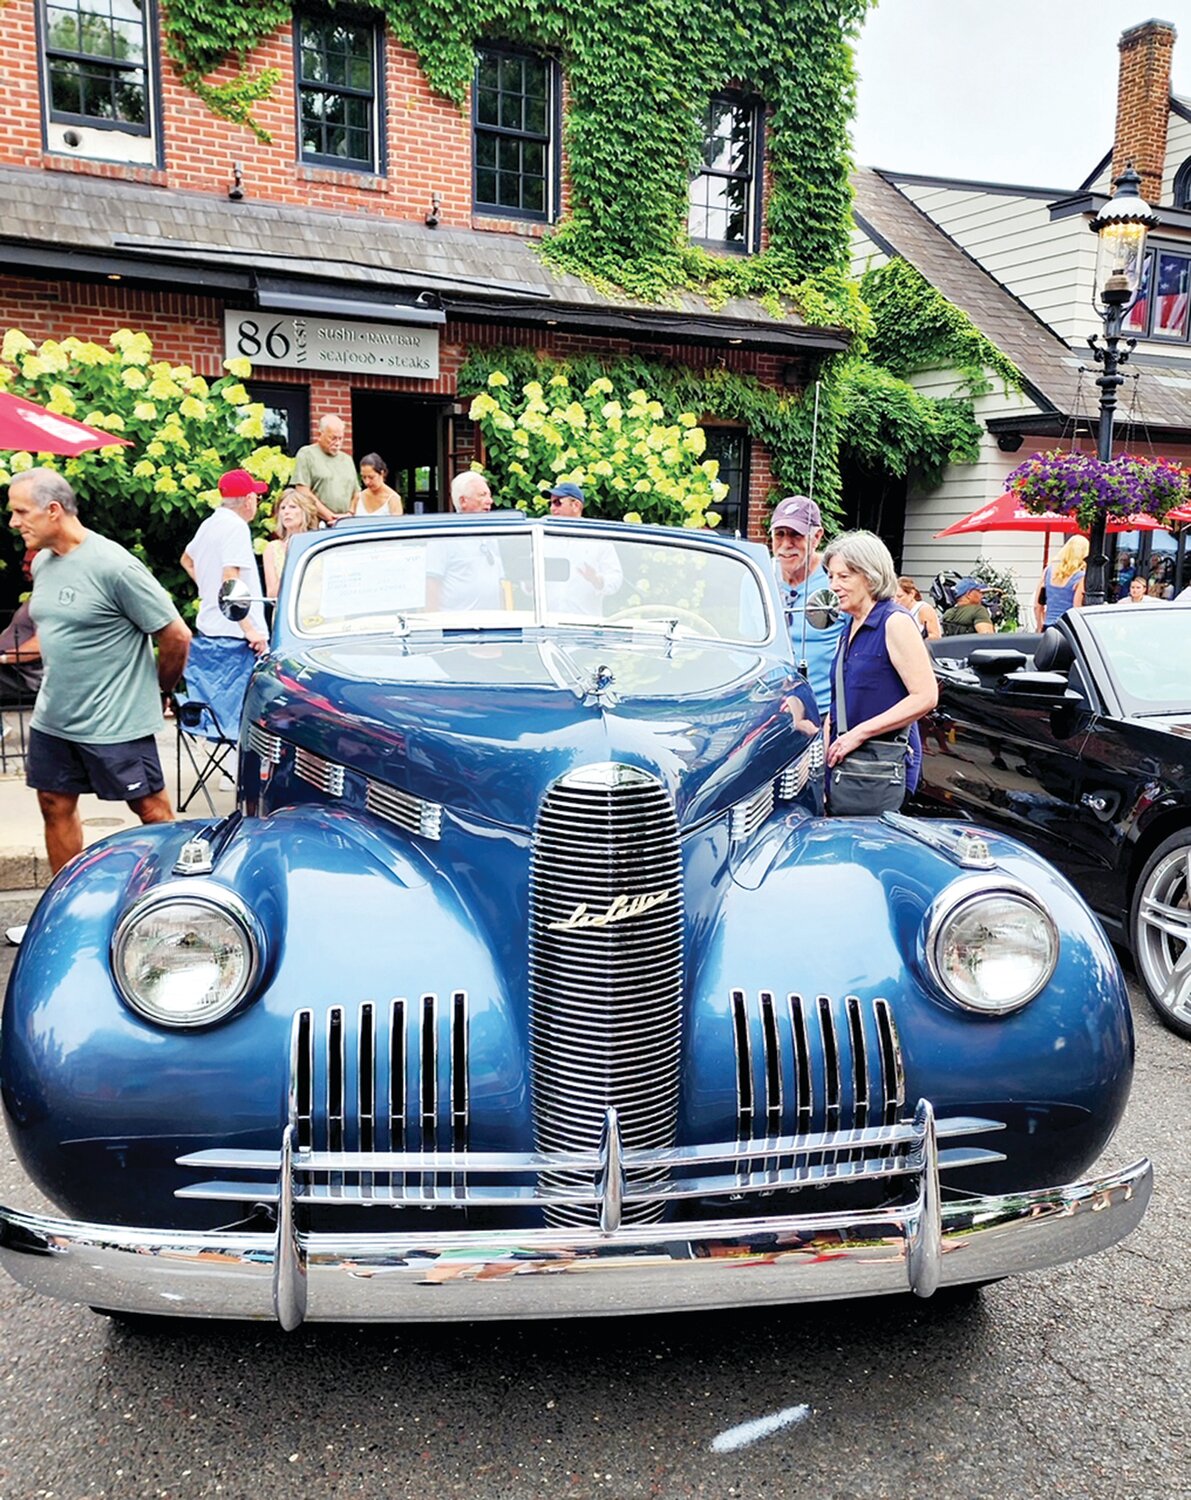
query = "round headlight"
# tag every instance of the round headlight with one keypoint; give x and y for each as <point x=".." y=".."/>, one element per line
<point x="992" y="950"/>
<point x="186" y="956"/>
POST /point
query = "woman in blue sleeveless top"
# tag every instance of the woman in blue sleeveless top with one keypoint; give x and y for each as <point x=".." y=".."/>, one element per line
<point x="888" y="679"/>
<point x="1061" y="586"/>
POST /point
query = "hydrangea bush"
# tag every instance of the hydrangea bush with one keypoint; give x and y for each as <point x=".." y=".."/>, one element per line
<point x="632" y="461"/>
<point x="1084" y="486"/>
<point x="184" y="431"/>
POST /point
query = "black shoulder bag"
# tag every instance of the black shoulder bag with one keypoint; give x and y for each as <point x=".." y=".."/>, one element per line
<point x="872" y="779"/>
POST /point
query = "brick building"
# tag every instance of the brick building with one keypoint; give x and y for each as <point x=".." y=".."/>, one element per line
<point x="357" y="254"/>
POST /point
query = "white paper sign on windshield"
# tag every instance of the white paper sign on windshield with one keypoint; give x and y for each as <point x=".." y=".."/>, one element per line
<point x="374" y="580"/>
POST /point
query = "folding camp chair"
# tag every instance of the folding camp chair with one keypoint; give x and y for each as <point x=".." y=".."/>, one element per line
<point x="207" y="705"/>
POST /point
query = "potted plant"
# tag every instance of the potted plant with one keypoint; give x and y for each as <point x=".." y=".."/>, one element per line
<point x="1086" y="487"/>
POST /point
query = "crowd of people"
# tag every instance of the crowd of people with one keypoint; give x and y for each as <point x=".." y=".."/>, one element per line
<point x="113" y="645"/>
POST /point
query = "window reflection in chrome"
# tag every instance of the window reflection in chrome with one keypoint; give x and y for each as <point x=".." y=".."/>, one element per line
<point x="398" y="584"/>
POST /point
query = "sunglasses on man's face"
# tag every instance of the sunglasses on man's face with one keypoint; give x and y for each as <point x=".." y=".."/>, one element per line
<point x="555" y="501"/>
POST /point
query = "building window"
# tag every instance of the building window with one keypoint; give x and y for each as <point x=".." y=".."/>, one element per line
<point x="97" y="77"/>
<point x="730" y="447"/>
<point x="337" y="91"/>
<point x="724" y="209"/>
<point x="1182" y="185"/>
<point x="515" y="127"/>
<point x="1164" y="302"/>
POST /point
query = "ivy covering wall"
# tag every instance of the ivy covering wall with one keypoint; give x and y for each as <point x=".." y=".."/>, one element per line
<point x="635" y="77"/>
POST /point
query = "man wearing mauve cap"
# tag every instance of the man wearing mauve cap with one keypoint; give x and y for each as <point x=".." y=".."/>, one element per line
<point x="221" y="549"/>
<point x="795" y="532"/>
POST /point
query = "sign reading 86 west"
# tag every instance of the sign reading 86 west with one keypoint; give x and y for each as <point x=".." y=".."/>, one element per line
<point x="347" y="345"/>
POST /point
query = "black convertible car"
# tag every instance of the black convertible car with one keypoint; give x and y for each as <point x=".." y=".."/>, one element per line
<point x="1078" y="742"/>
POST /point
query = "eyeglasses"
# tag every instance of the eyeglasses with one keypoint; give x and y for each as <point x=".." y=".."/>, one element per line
<point x="555" y="501"/>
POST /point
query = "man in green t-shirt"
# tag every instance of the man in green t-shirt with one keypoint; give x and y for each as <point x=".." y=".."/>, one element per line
<point x="328" y="471"/>
<point x="968" y="615"/>
<point x="97" y="610"/>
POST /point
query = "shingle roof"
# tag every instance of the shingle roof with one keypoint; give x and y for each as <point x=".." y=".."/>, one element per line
<point x="476" y="273"/>
<point x="1048" y="364"/>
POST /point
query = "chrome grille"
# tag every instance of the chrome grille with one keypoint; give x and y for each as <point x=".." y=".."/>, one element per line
<point x="324" y="774"/>
<point x="411" y="813"/>
<point x="605" y="973"/>
<point x="266" y="745"/>
<point x="382" y="1077"/>
<point x="747" y="816"/>
<point x="814" y="1065"/>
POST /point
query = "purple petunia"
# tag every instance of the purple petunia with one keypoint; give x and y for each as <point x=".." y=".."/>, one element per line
<point x="1081" y="485"/>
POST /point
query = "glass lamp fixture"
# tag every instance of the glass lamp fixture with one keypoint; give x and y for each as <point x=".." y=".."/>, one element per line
<point x="1121" y="227"/>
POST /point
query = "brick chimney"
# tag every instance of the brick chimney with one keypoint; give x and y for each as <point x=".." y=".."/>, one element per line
<point x="1143" y="104"/>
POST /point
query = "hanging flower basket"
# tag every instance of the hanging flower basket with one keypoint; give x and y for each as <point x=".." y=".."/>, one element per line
<point x="1084" y="486"/>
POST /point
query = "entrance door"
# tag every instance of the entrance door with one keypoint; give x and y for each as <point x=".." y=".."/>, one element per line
<point x="407" y="434"/>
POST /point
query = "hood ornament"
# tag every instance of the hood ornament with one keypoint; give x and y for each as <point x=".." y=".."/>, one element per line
<point x="598" y="692"/>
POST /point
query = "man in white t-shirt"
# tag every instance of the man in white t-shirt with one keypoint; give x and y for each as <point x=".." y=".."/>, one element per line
<point x="221" y="549"/>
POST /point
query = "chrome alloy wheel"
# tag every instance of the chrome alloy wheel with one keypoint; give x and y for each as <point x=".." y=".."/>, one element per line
<point x="1161" y="931"/>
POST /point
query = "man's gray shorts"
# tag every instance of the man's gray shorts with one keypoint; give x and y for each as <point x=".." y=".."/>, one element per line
<point x="116" y="773"/>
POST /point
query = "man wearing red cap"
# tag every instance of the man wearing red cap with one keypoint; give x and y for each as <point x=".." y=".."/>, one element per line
<point x="221" y="549"/>
<point x="96" y="609"/>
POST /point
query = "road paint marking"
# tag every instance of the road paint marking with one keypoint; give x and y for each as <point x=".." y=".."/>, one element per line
<point x="760" y="1427"/>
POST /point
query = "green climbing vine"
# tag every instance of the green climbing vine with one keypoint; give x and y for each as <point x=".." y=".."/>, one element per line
<point x="916" y="328"/>
<point x="635" y="78"/>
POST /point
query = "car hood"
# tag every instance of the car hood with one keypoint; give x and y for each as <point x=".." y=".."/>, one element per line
<point x="484" y="725"/>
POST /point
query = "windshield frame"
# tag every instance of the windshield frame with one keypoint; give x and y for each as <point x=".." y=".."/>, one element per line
<point x="1097" y="623"/>
<point x="540" y="617"/>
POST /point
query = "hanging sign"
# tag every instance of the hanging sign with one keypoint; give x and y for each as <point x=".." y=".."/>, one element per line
<point x="315" y="343"/>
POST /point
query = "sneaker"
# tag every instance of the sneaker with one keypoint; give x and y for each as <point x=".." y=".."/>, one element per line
<point x="14" y="936"/>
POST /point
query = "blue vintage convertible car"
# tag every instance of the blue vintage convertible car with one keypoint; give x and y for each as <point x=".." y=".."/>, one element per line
<point x="529" y="979"/>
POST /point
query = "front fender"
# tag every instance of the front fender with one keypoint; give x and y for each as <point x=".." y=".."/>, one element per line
<point x="100" y="1101"/>
<point x="827" y="909"/>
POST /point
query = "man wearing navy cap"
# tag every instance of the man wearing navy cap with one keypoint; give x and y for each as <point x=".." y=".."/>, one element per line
<point x="968" y="615"/>
<point x="795" y="532"/>
<point x="595" y="572"/>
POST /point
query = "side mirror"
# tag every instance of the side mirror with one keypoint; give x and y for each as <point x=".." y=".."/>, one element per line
<point x="234" y="599"/>
<point x="822" y="609"/>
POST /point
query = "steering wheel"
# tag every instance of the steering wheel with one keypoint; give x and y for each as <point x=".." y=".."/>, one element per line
<point x="675" y="612"/>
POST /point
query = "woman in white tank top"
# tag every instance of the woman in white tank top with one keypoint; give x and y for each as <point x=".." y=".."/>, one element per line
<point x="376" y="498"/>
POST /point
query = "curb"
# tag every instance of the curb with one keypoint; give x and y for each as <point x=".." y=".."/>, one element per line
<point x="24" y="870"/>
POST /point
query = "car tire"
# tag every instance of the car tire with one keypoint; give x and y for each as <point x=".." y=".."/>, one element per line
<point x="1160" y="930"/>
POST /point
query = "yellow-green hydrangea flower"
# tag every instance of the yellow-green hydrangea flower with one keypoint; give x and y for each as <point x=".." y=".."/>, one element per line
<point x="239" y="367"/>
<point x="15" y="344"/>
<point x="497" y="378"/>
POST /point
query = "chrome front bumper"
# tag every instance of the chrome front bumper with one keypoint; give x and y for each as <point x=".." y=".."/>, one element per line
<point x="407" y="1277"/>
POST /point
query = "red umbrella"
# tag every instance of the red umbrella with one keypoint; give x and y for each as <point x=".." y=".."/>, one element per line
<point x="27" y="427"/>
<point x="1179" y="516"/>
<point x="1007" y="513"/>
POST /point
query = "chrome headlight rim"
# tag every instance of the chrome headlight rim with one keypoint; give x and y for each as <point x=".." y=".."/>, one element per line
<point x="959" y="897"/>
<point x="191" y="892"/>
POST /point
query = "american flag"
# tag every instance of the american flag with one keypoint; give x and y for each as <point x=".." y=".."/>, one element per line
<point x="1174" y="284"/>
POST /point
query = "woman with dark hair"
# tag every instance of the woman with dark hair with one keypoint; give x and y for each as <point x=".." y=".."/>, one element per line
<point x="376" y="498"/>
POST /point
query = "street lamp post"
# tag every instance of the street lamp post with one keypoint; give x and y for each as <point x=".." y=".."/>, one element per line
<point x="1121" y="227"/>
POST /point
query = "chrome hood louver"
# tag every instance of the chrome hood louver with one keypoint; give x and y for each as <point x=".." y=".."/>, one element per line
<point x="606" y="924"/>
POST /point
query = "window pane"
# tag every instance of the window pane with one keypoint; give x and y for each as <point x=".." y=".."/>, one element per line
<point x="487" y="107"/>
<point x="510" y="111"/>
<point x="535" y="116"/>
<point x="62" y="30"/>
<point x="64" y="90"/>
<point x="486" y="186"/>
<point x="533" y="194"/>
<point x="533" y="159"/>
<point x="488" y="72"/>
<point x="508" y="190"/>
<point x="1139" y="314"/>
<point x="510" y="74"/>
<point x="485" y="150"/>
<point x="1170" y="310"/>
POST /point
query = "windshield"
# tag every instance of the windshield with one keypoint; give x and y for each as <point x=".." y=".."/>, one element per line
<point x="506" y="579"/>
<point x="1148" y="649"/>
